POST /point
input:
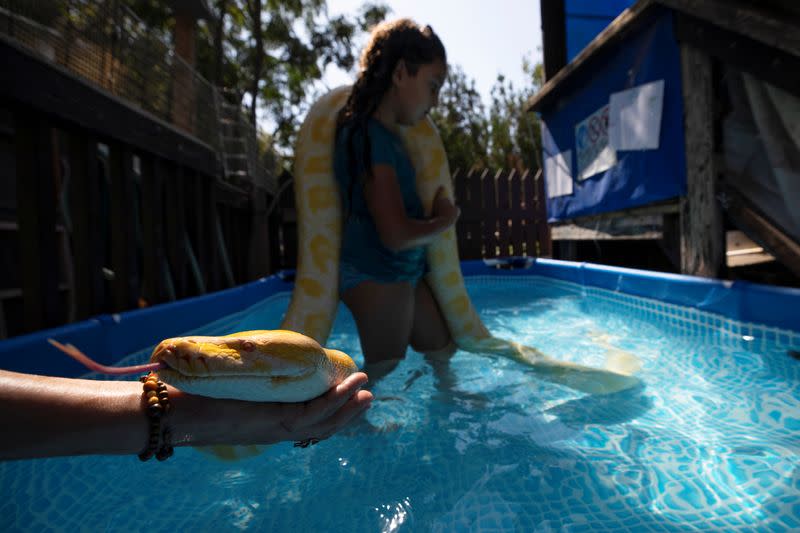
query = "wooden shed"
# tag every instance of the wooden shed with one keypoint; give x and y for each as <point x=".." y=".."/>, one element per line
<point x="671" y="141"/>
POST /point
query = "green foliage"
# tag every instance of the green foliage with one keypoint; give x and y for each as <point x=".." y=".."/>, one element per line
<point x="514" y="134"/>
<point x="460" y="119"/>
<point x="282" y="56"/>
<point x="504" y="137"/>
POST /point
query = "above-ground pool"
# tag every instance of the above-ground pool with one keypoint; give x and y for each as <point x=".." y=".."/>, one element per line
<point x="711" y="441"/>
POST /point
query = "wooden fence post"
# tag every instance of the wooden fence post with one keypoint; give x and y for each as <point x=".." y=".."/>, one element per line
<point x="123" y="231"/>
<point x="702" y="234"/>
<point x="36" y="215"/>
<point x="87" y="223"/>
<point x="518" y="214"/>
<point x="469" y="225"/>
<point x="288" y="213"/>
<point x="540" y="228"/>
<point x="502" y="212"/>
<point x="489" y="211"/>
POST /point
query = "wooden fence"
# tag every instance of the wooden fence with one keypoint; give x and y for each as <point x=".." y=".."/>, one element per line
<point x="104" y="208"/>
<point x="502" y="215"/>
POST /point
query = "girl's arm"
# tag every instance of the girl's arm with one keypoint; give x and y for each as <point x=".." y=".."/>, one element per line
<point x="396" y="230"/>
<point x="50" y="416"/>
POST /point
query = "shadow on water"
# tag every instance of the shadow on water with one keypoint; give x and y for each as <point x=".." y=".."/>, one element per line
<point x="604" y="409"/>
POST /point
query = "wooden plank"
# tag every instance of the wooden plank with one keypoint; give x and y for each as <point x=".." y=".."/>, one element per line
<point x="765" y="24"/>
<point x="530" y="227"/>
<point x="544" y="238"/>
<point x="238" y="249"/>
<point x="490" y="248"/>
<point x="154" y="285"/>
<point x="274" y="244"/>
<point x="758" y="227"/>
<point x="468" y="227"/>
<point x="702" y="238"/>
<point x="200" y="223"/>
<point x="769" y="64"/>
<point x="288" y="226"/>
<point x="503" y="213"/>
<point x="231" y="195"/>
<point x="476" y="222"/>
<point x="259" y="246"/>
<point x="666" y="207"/>
<point x="84" y="209"/>
<point x="174" y="215"/>
<point x="518" y="215"/>
<point x="36" y="212"/>
<point x="133" y="224"/>
<point x="740" y="250"/>
<point x="671" y="238"/>
<point x="121" y="238"/>
<point x="216" y="274"/>
<point x="646" y="227"/>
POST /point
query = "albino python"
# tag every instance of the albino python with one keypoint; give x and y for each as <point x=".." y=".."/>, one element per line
<point x="258" y="366"/>
<point x="315" y="297"/>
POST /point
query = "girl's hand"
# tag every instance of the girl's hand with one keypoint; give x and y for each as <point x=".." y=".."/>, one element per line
<point x="444" y="208"/>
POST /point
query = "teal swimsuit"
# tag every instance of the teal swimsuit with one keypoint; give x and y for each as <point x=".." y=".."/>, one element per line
<point x="364" y="257"/>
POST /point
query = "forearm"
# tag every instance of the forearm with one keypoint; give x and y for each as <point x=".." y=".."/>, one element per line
<point x="50" y="416"/>
<point x="413" y="233"/>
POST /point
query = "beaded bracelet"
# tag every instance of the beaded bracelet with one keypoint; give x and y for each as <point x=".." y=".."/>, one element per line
<point x="156" y="398"/>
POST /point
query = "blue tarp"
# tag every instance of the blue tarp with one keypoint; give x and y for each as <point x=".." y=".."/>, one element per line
<point x="584" y="19"/>
<point x="639" y="177"/>
<point x="108" y="338"/>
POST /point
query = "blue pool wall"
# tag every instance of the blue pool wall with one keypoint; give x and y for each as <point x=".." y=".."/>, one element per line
<point x="108" y="338"/>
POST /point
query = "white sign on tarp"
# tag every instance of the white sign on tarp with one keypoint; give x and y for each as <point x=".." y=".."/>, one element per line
<point x="558" y="174"/>
<point x="634" y="119"/>
<point x="594" y="153"/>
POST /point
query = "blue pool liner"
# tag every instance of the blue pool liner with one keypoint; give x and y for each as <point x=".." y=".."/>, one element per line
<point x="107" y="338"/>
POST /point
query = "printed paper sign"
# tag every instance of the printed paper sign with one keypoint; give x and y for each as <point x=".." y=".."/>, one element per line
<point x="558" y="174"/>
<point x="634" y="119"/>
<point x="595" y="155"/>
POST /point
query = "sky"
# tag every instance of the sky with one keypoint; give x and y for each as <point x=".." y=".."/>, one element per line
<point x="484" y="37"/>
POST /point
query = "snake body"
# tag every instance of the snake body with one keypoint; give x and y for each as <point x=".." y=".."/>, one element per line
<point x="315" y="297"/>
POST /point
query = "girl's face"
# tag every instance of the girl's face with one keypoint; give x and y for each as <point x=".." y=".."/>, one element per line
<point x="418" y="93"/>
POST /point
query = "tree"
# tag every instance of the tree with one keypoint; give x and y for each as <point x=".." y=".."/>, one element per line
<point x="272" y="54"/>
<point x="460" y="118"/>
<point x="514" y="134"/>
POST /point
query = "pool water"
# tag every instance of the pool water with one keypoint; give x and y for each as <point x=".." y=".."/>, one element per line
<point x="710" y="442"/>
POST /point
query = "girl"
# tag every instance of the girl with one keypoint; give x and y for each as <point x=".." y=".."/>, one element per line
<point x="383" y="257"/>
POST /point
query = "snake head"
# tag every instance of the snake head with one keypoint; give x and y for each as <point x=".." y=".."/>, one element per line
<point x="274" y="365"/>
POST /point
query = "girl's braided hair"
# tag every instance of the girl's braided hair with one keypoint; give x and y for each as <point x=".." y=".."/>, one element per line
<point x="389" y="43"/>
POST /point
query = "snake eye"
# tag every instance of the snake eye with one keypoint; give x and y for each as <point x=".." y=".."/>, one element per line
<point x="248" y="346"/>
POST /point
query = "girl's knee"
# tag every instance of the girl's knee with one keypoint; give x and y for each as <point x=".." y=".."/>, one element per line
<point x="442" y="350"/>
